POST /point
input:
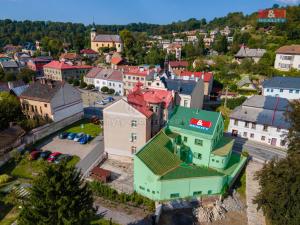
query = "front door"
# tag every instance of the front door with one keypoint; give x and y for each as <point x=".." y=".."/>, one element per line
<point x="273" y="142"/>
<point x="234" y="133"/>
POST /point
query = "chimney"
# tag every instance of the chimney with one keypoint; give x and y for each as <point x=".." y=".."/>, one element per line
<point x="202" y="77"/>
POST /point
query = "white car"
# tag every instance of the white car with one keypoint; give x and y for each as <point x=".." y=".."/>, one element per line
<point x="78" y="136"/>
<point x="101" y="103"/>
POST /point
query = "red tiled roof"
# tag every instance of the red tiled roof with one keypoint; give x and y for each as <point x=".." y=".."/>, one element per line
<point x="88" y="51"/>
<point x="116" y="60"/>
<point x="178" y="63"/>
<point x="69" y="56"/>
<point x="64" y="66"/>
<point x="116" y="76"/>
<point x="93" y="72"/>
<point x="140" y="99"/>
<point x="135" y="70"/>
<point x="207" y="75"/>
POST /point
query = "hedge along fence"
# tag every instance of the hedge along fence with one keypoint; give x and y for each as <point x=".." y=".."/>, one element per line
<point x="105" y="191"/>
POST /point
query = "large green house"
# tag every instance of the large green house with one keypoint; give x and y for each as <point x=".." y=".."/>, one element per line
<point x="190" y="157"/>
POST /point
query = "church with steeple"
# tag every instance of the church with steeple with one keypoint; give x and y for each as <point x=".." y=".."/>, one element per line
<point x="99" y="41"/>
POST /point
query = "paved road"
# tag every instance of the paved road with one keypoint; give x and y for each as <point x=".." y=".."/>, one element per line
<point x="93" y="157"/>
<point x="257" y="150"/>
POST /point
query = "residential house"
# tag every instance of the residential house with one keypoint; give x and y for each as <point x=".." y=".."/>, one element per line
<point x="113" y="79"/>
<point x="55" y="100"/>
<point x="174" y="49"/>
<point x="287" y="57"/>
<point x="89" y="78"/>
<point x="261" y="119"/>
<point x="56" y="70"/>
<point x="283" y="87"/>
<point x="189" y="158"/>
<point x="105" y="40"/>
<point x="70" y="58"/>
<point x="207" y="78"/>
<point x="249" y="53"/>
<point x="10" y="67"/>
<point x="246" y="84"/>
<point x="116" y="60"/>
<point x="187" y="93"/>
<point x="22" y="58"/>
<point x="89" y="53"/>
<point x="135" y="119"/>
<point x="37" y="64"/>
<point x="134" y="74"/>
<point x="177" y="65"/>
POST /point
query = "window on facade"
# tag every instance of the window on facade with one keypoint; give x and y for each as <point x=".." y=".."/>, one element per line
<point x="252" y="135"/>
<point x="142" y="188"/>
<point x="245" y="134"/>
<point x="45" y="105"/>
<point x="246" y="124"/>
<point x="253" y="125"/>
<point x="153" y="192"/>
<point x="133" y="149"/>
<point x="142" y="78"/>
<point x="133" y="123"/>
<point x="278" y="129"/>
<point x="174" y="195"/>
<point x="268" y="90"/>
<point x="213" y="160"/>
<point x="236" y="122"/>
<point x="133" y="137"/>
<point x="198" y="142"/>
<point x="197" y="155"/>
<point x="263" y="138"/>
<point x="209" y="192"/>
<point x="281" y="90"/>
<point x="271" y="90"/>
<point x="185" y="103"/>
<point x="129" y="77"/>
<point x="290" y="91"/>
<point x="282" y="142"/>
<point x="196" y="193"/>
<point x="148" y="190"/>
<point x="265" y="128"/>
<point x="297" y="91"/>
<point x="185" y="139"/>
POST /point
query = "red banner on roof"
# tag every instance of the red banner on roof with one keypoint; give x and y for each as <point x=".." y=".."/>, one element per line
<point x="272" y="13"/>
<point x="200" y="123"/>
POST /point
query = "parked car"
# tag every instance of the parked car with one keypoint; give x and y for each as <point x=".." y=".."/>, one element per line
<point x="85" y="139"/>
<point x="71" y="136"/>
<point x="78" y="136"/>
<point x="45" y="154"/>
<point x="34" y="155"/>
<point x="100" y="103"/>
<point x="63" y="135"/>
<point x="108" y="99"/>
<point x="63" y="157"/>
<point x="53" y="156"/>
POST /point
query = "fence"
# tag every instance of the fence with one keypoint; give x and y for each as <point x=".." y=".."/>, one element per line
<point x="43" y="131"/>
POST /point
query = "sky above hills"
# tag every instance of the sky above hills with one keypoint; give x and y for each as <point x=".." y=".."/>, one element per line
<point x="128" y="11"/>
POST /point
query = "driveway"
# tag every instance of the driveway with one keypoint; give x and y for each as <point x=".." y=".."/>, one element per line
<point x="71" y="147"/>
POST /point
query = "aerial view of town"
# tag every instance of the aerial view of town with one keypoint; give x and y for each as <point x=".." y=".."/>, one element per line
<point x="150" y="112"/>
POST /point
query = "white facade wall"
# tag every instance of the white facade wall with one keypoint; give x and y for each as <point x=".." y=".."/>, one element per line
<point x="285" y="62"/>
<point x="258" y="134"/>
<point x="289" y="94"/>
<point x="118" y="86"/>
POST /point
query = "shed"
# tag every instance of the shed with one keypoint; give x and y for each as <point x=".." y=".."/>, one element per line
<point x="100" y="174"/>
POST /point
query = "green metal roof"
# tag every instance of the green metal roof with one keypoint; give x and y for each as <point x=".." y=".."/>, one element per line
<point x="181" y="118"/>
<point x="223" y="147"/>
<point x="189" y="171"/>
<point x="157" y="155"/>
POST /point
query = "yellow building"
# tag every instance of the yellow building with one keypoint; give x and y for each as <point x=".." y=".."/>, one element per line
<point x="105" y="40"/>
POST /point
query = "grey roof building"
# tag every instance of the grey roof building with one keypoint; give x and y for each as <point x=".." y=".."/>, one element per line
<point x="108" y="38"/>
<point x="181" y="86"/>
<point x="252" y="53"/>
<point x="282" y="82"/>
<point x="266" y="110"/>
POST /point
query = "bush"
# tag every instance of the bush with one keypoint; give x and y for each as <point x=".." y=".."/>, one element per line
<point x="105" y="89"/>
<point x="234" y="102"/>
<point x="70" y="80"/>
<point x="90" y="86"/>
<point x="111" y="91"/>
<point x="4" y="178"/>
<point x="76" y="82"/>
<point x="105" y="191"/>
<point x="83" y="84"/>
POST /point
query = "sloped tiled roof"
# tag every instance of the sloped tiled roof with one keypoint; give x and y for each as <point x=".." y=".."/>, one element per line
<point x="9" y="64"/>
<point x="64" y="66"/>
<point x="88" y="51"/>
<point x="93" y="72"/>
<point x="156" y="155"/>
<point x="289" y="49"/>
<point x="250" y="52"/>
<point x="181" y="86"/>
<point x="108" y="38"/>
<point x="207" y="76"/>
<point x="178" y="63"/>
<point x="69" y="55"/>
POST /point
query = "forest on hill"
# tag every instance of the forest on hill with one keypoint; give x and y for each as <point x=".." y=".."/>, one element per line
<point x="77" y="34"/>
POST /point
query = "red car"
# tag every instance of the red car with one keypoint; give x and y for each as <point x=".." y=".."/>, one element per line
<point x="34" y="155"/>
<point x="53" y="156"/>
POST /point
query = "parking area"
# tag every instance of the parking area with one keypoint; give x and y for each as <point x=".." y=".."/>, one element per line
<point x="121" y="175"/>
<point x="90" y="98"/>
<point x="71" y="147"/>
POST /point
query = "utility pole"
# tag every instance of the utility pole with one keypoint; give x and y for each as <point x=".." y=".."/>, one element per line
<point x="226" y="93"/>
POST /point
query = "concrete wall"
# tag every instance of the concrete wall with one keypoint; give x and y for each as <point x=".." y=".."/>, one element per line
<point x="117" y="120"/>
<point x="258" y="132"/>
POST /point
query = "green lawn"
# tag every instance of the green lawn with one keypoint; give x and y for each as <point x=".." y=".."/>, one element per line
<point x="27" y="168"/>
<point x="86" y="127"/>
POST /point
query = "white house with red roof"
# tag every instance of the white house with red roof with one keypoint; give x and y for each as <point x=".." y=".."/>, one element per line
<point x="56" y="70"/>
<point x="177" y="65"/>
<point x="134" y="120"/>
<point x="89" y="53"/>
